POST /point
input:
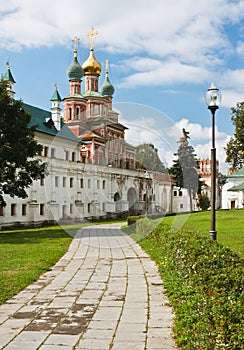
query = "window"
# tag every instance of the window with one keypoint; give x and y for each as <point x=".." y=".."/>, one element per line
<point x="13" y="209"/>
<point x="104" y="184"/>
<point x="24" y="209"/>
<point x="45" y="151"/>
<point x="73" y="157"/>
<point x="77" y="113"/>
<point x="181" y="206"/>
<point x="70" y="113"/>
<point x="71" y="208"/>
<point x="98" y="184"/>
<point x="64" y="181"/>
<point x="42" y="181"/>
<point x="66" y="155"/>
<point x="180" y="193"/>
<point x="56" y="181"/>
<point x="71" y="182"/>
<point x="175" y="193"/>
<point x="81" y="183"/>
<point x="1" y="211"/>
<point x="104" y="206"/>
<point x="89" y="183"/>
<point x="89" y="207"/>
<point x="52" y="152"/>
<point x="41" y="209"/>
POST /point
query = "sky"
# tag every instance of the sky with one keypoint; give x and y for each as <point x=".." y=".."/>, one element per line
<point x="163" y="56"/>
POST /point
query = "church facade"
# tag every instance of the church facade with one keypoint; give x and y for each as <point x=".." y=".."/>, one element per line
<point x="91" y="167"/>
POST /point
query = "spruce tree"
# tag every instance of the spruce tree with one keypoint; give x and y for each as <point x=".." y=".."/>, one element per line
<point x="185" y="167"/>
<point x="235" y="147"/>
<point x="18" y="146"/>
<point x="147" y="158"/>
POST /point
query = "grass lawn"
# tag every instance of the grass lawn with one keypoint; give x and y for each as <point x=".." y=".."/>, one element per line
<point x="26" y="254"/>
<point x="229" y="226"/>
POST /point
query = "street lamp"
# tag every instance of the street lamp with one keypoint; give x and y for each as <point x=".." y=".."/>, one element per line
<point x="213" y="99"/>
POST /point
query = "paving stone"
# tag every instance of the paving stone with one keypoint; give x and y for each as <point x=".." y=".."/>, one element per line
<point x="95" y="298"/>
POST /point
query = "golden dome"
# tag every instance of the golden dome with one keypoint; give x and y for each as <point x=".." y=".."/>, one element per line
<point x="91" y="66"/>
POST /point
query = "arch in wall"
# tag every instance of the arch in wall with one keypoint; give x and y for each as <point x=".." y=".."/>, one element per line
<point x="133" y="201"/>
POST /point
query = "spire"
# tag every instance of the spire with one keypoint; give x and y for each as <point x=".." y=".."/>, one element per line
<point x="91" y="66"/>
<point x="75" y="71"/>
<point x="9" y="78"/>
<point x="8" y="75"/>
<point x="56" y="110"/>
<point x="107" y="88"/>
<point x="56" y="95"/>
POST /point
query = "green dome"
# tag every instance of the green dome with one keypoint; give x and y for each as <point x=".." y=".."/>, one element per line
<point x="75" y="71"/>
<point x="107" y="88"/>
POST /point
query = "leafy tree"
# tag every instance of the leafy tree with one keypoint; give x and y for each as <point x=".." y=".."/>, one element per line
<point x="203" y="202"/>
<point x="147" y="158"/>
<point x="185" y="167"/>
<point x="235" y="147"/>
<point x="18" y="146"/>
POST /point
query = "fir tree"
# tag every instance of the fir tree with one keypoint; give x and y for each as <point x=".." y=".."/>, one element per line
<point x="235" y="147"/>
<point x="185" y="167"/>
<point x="18" y="146"/>
<point x="147" y="158"/>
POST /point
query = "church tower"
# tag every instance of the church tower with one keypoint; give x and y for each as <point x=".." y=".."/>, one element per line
<point x="74" y="103"/>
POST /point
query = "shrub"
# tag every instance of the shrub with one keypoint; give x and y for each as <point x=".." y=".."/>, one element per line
<point x="204" y="281"/>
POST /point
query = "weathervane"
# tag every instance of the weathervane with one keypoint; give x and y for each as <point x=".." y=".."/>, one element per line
<point x="90" y="35"/>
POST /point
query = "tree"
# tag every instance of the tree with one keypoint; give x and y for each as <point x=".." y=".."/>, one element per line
<point x="147" y="158"/>
<point x="203" y="202"/>
<point x="235" y="147"/>
<point x="18" y="146"/>
<point x="184" y="169"/>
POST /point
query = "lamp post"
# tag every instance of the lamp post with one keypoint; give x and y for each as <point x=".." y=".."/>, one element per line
<point x="213" y="99"/>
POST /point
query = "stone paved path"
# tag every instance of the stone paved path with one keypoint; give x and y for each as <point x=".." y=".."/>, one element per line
<point x="104" y="293"/>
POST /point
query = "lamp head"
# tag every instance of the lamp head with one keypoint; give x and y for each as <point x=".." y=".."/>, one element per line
<point x="213" y="97"/>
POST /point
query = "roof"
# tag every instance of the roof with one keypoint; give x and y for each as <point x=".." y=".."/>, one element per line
<point x="101" y="119"/>
<point x="238" y="173"/>
<point x="41" y="119"/>
<point x="8" y="76"/>
<point x="237" y="188"/>
<point x="56" y="96"/>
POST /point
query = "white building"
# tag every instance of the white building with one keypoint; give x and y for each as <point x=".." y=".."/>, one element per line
<point x="233" y="191"/>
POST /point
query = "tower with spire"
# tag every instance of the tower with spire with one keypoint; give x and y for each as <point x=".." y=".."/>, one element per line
<point x="90" y="115"/>
<point x="8" y="77"/>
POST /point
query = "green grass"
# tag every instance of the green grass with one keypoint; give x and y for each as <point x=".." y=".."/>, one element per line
<point x="229" y="226"/>
<point x="204" y="279"/>
<point x="26" y="254"/>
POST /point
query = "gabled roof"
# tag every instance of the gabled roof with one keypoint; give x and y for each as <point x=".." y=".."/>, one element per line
<point x="41" y="119"/>
<point x="237" y="188"/>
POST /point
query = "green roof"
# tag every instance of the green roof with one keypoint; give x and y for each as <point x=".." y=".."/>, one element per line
<point x="238" y="173"/>
<point x="42" y="119"/>
<point x="92" y="94"/>
<point x="239" y="187"/>
<point x="8" y="76"/>
<point x="56" y="96"/>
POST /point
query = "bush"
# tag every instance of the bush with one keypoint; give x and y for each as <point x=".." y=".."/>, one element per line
<point x="133" y="219"/>
<point x="204" y="282"/>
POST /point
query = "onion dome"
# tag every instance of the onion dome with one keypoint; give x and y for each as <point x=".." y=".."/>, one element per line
<point x="75" y="71"/>
<point x="91" y="66"/>
<point x="107" y="88"/>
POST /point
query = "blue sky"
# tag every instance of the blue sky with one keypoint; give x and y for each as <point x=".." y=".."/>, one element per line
<point x="162" y="55"/>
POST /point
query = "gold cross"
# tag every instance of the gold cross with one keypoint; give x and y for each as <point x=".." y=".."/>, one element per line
<point x="75" y="42"/>
<point x="90" y="35"/>
<point x="106" y="63"/>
